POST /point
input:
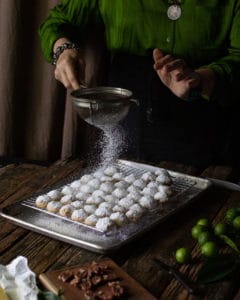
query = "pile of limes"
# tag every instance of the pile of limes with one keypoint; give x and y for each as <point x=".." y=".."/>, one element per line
<point x="209" y="236"/>
<point x="233" y="217"/>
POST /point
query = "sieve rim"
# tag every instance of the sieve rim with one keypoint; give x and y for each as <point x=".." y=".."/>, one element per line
<point x="83" y="94"/>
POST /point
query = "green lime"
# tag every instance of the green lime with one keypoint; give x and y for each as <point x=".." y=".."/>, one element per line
<point x="236" y="222"/>
<point x="196" y="230"/>
<point x="203" y="222"/>
<point x="204" y="237"/>
<point x="182" y="255"/>
<point x="220" y="228"/>
<point x="232" y="213"/>
<point x="209" y="249"/>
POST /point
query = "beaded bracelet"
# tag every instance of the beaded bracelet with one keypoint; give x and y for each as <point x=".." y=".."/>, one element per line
<point x="60" y="50"/>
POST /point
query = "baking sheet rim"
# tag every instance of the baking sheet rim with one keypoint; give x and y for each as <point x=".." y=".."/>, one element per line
<point x="93" y="246"/>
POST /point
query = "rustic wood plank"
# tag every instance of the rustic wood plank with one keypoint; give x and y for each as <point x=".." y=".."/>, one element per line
<point x="37" y="248"/>
<point x="12" y="238"/>
<point x="169" y="236"/>
<point x="45" y="253"/>
<point x="153" y="241"/>
<point x="6" y="228"/>
<point x="15" y="239"/>
<point x="21" y="181"/>
<point x="74" y="256"/>
<point x="56" y="173"/>
<point x="5" y="169"/>
<point x="174" y="289"/>
<point x="224" y="288"/>
<point x="15" y="178"/>
<point x="22" y="185"/>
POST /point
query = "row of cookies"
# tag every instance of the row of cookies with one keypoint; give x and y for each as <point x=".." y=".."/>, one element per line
<point x="108" y="197"/>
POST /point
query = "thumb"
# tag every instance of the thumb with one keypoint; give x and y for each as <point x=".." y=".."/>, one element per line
<point x="157" y="54"/>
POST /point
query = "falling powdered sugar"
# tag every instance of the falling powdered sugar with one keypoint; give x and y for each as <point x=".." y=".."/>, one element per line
<point x="113" y="142"/>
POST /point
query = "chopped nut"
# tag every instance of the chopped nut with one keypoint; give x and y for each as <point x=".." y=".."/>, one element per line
<point x="66" y="276"/>
<point x="98" y="281"/>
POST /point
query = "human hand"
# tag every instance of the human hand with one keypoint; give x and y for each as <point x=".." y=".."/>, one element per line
<point x="70" y="68"/>
<point x="175" y="74"/>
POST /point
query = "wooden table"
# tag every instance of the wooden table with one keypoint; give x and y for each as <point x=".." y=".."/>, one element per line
<point x="19" y="181"/>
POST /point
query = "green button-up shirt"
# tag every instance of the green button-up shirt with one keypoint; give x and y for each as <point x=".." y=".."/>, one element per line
<point x="206" y="35"/>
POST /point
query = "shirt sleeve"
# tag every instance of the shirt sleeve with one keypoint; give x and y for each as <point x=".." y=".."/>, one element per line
<point x="227" y="68"/>
<point x="68" y="19"/>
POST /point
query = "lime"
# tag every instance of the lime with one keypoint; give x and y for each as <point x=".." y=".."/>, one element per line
<point x="220" y="228"/>
<point x="204" y="237"/>
<point x="182" y="255"/>
<point x="196" y="230"/>
<point x="203" y="222"/>
<point x="209" y="249"/>
<point x="236" y="222"/>
<point x="232" y="213"/>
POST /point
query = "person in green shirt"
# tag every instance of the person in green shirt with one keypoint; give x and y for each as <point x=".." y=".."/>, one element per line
<point x="181" y="58"/>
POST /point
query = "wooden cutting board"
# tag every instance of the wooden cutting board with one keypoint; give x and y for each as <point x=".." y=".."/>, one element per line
<point x="134" y="290"/>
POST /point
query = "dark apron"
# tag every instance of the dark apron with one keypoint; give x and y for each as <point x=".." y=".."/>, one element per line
<point x="165" y="127"/>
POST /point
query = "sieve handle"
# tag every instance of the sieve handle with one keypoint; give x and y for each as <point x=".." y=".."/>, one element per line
<point x="136" y="101"/>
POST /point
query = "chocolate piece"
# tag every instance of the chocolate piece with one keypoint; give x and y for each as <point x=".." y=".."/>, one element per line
<point x="98" y="281"/>
<point x="116" y="288"/>
<point x="110" y="277"/>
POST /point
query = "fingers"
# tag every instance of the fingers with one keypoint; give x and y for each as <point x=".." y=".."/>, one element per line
<point x="183" y="74"/>
<point x="62" y="77"/>
<point x="176" y="64"/>
<point x="175" y="73"/>
<point x="157" y="54"/>
<point x="163" y="62"/>
<point x="68" y="79"/>
<point x="69" y="68"/>
<point x="170" y="64"/>
<point x="72" y="76"/>
<point x="194" y="79"/>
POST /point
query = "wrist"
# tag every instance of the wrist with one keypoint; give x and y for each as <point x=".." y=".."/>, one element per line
<point x="198" y="92"/>
<point x="194" y="94"/>
<point x="60" y="42"/>
<point x="59" y="49"/>
<point x="208" y="81"/>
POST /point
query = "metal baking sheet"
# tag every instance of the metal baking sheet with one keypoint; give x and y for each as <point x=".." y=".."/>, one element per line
<point x="25" y="214"/>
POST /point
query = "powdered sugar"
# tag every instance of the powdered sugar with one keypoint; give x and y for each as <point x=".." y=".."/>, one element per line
<point x="113" y="142"/>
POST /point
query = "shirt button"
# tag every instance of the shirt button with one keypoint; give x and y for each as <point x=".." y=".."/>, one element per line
<point x="168" y="39"/>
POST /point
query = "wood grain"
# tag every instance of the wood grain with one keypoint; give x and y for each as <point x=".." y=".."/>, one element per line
<point x="20" y="181"/>
<point x="134" y="290"/>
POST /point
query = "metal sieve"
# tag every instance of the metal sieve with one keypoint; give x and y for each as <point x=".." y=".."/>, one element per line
<point x="102" y="105"/>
